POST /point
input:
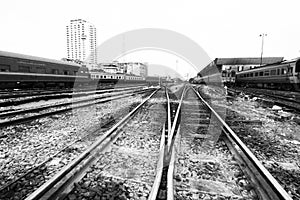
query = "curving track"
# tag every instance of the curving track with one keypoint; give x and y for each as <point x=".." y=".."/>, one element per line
<point x="208" y="161"/>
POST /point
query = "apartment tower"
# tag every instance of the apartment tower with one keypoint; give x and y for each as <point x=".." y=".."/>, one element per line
<point x="81" y="41"/>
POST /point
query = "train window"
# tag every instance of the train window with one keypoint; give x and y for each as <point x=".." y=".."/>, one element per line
<point x="40" y="70"/>
<point x="261" y="73"/>
<point x="224" y="74"/>
<point x="267" y="73"/>
<point x="273" y="72"/>
<point x="66" y="72"/>
<point x="297" y="66"/>
<point x="104" y="76"/>
<point x="283" y="71"/>
<point x="4" y="68"/>
<point x="248" y="75"/>
<point x="251" y="74"/>
<point x="24" y="69"/>
<point x="278" y="71"/>
<point x="54" y="71"/>
<point x="101" y="76"/>
<point x="290" y="70"/>
<point x="256" y="74"/>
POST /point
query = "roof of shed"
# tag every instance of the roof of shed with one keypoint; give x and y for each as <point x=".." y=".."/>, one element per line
<point x="247" y="61"/>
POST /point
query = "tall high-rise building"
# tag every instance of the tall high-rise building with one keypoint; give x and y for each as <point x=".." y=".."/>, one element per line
<point x="81" y="41"/>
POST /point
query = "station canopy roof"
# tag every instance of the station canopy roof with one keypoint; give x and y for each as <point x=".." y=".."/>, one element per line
<point x="247" y="61"/>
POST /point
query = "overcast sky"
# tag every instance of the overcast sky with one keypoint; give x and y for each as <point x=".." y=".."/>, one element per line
<point x="222" y="28"/>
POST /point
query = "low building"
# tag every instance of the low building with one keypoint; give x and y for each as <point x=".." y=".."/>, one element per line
<point x="240" y="64"/>
<point x="133" y="68"/>
<point x="136" y="68"/>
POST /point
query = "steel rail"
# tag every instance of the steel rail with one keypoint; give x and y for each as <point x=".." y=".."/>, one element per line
<point x="14" y="102"/>
<point x="277" y="190"/>
<point x="62" y="181"/>
<point x="40" y="115"/>
<point x="284" y="98"/>
<point x="64" y="92"/>
<point x="170" y="139"/>
<point x="165" y="155"/>
<point x="168" y="113"/>
<point x="12" y="113"/>
<point x="159" y="169"/>
<point x="170" y="179"/>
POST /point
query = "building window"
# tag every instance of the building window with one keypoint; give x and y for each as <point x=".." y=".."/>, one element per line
<point x="261" y="73"/>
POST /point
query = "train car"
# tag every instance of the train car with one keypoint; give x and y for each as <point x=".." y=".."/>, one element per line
<point x="284" y="75"/>
<point x="228" y="77"/>
<point x="23" y="71"/>
<point x="222" y="71"/>
<point x="211" y="74"/>
<point x="102" y="78"/>
<point x="18" y="71"/>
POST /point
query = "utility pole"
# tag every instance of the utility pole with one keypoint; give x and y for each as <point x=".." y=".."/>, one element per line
<point x="262" y="46"/>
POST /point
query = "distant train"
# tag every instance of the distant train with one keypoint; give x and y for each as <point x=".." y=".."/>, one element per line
<point x="22" y="71"/>
<point x="283" y="75"/>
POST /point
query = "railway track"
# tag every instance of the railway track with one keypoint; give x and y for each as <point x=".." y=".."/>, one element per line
<point x="121" y="149"/>
<point x="19" y="100"/>
<point x="160" y="186"/>
<point x="26" y="184"/>
<point x="197" y="154"/>
<point x="208" y="161"/>
<point x="20" y="116"/>
<point x="291" y="102"/>
<point x="32" y="93"/>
